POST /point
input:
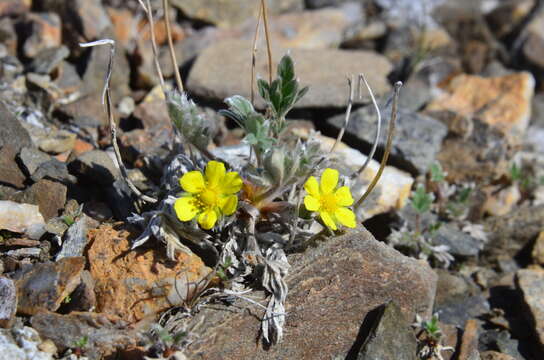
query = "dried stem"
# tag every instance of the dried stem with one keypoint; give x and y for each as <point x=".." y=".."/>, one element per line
<point x="106" y="101"/>
<point x="151" y="22"/>
<point x="378" y="129"/>
<point x="390" y="136"/>
<point x="268" y="41"/>
<point x="348" y="113"/>
<point x="166" y="6"/>
<point x="254" y="54"/>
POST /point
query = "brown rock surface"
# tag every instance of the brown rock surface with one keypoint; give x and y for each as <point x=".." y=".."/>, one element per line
<point x="10" y="173"/>
<point x="538" y="249"/>
<point x="531" y="284"/>
<point x="133" y="284"/>
<point x="333" y="286"/>
<point x="45" y="285"/>
<point x="45" y="33"/>
<point x="50" y="196"/>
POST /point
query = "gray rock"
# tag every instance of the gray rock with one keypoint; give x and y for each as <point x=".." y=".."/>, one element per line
<point x="8" y="302"/>
<point x="83" y="298"/>
<point x="24" y="253"/>
<point x="21" y="218"/>
<point x="10" y="68"/>
<point x="58" y="142"/>
<point x="22" y="343"/>
<point x="49" y="195"/>
<point x="104" y="336"/>
<point x="531" y="284"/>
<point x="316" y="4"/>
<point x="460" y="309"/>
<point x="75" y="239"/>
<point x="54" y="170"/>
<point x="223" y="69"/>
<point x="120" y="199"/>
<point x="45" y="32"/>
<point x="333" y="286"/>
<point x="392" y="338"/>
<point x="10" y="173"/>
<point x="418" y="137"/>
<point x="11" y="131"/>
<point x="47" y="60"/>
<point x="501" y="341"/>
<point x="96" y="167"/>
<point x="459" y="242"/>
<point x="537" y="112"/>
<point x="31" y="158"/>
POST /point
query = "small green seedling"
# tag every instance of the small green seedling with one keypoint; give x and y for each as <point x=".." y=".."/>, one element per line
<point x="437" y="173"/>
<point x="421" y="200"/>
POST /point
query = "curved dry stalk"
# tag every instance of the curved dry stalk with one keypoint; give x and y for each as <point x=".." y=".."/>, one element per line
<point x="106" y="101"/>
<point x="388" y="146"/>
<point x="148" y="10"/>
<point x="268" y="41"/>
<point x="348" y="114"/>
<point x="254" y="54"/>
<point x="378" y="129"/>
<point x="166" y="6"/>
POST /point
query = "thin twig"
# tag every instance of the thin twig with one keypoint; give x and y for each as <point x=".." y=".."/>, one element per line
<point x="348" y="114"/>
<point x="148" y="10"/>
<point x="166" y="6"/>
<point x="106" y="101"/>
<point x="268" y="41"/>
<point x="390" y="136"/>
<point x="378" y="129"/>
<point x="254" y="54"/>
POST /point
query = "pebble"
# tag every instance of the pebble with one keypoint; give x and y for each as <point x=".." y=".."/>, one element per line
<point x="8" y="302"/>
<point x="21" y="218"/>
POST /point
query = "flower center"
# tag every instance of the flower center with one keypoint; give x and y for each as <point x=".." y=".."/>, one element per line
<point x="328" y="203"/>
<point x="209" y="197"/>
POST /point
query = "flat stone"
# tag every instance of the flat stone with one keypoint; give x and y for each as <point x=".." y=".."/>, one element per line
<point x="133" y="284"/>
<point x="11" y="131"/>
<point x="95" y="166"/>
<point x="54" y="170"/>
<point x="45" y="32"/>
<point x="495" y="355"/>
<point x="8" y="302"/>
<point x="31" y="158"/>
<point x="533" y="47"/>
<point x="531" y="284"/>
<point x="459" y="242"/>
<point x="45" y="285"/>
<point x="50" y="196"/>
<point x="21" y="218"/>
<point x="223" y="69"/>
<point x="500" y="201"/>
<point x="25" y="253"/>
<point x="153" y="113"/>
<point x="10" y="173"/>
<point x="58" y="142"/>
<point x="75" y="239"/>
<point x="333" y="286"/>
<point x="538" y="249"/>
<point x="461" y="309"/>
<point x="83" y="297"/>
<point x="105" y="335"/>
<point x="229" y="13"/>
<point x="49" y="59"/>
<point x="22" y="343"/>
<point x="413" y="132"/>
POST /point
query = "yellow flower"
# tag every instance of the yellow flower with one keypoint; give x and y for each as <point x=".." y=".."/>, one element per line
<point x="208" y="196"/>
<point x="331" y="203"/>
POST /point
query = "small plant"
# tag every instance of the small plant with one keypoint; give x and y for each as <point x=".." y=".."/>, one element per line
<point x="79" y="345"/>
<point x="67" y="299"/>
<point x="430" y="339"/>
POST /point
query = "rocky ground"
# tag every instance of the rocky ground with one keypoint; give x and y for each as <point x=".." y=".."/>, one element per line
<point x="449" y="264"/>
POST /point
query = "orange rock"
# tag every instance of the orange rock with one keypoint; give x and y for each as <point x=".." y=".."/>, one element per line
<point x="502" y="102"/>
<point x="124" y="25"/>
<point x="81" y="147"/>
<point x="134" y="284"/>
<point x="160" y="31"/>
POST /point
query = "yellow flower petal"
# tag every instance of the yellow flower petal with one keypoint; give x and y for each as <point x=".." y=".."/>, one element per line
<point x="343" y="196"/>
<point x="185" y="208"/>
<point x="329" y="180"/>
<point x="207" y="219"/>
<point x="192" y="182"/>
<point x="215" y="172"/>
<point x="312" y="187"/>
<point x="327" y="220"/>
<point x="346" y="217"/>
<point x="231" y="183"/>
<point x="229" y="205"/>
<point x="311" y="203"/>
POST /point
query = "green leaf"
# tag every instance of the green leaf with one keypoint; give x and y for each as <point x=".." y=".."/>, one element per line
<point x="240" y="105"/>
<point x="301" y="93"/>
<point x="421" y="200"/>
<point x="264" y="89"/>
<point x="437" y="174"/>
<point x="286" y="68"/>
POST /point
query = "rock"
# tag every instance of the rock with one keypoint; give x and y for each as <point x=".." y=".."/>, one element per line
<point x="217" y="75"/>
<point x="153" y="113"/>
<point x="8" y="302"/>
<point x="139" y="143"/>
<point x="120" y="199"/>
<point x="13" y="7"/>
<point x="54" y="170"/>
<point x="11" y="131"/>
<point x="45" y="32"/>
<point x="49" y="59"/>
<point x="68" y="81"/>
<point x="531" y="284"/>
<point x="494" y="355"/>
<point x="10" y="173"/>
<point x="391" y="337"/>
<point x="75" y="239"/>
<point x="225" y="14"/>
<point x="413" y="132"/>
<point x="31" y="158"/>
<point x="508" y="15"/>
<point x="316" y="4"/>
<point x="533" y="46"/>
<point x="45" y="285"/>
<point x="21" y="218"/>
<point x="58" y="142"/>
<point x="83" y="297"/>
<point x="500" y="201"/>
<point x="503" y="103"/>
<point x="95" y="166"/>
<point x="105" y="335"/>
<point x="124" y="27"/>
<point x="459" y="242"/>
<point x="25" y="253"/>
<point x="346" y="277"/>
<point x="22" y="343"/>
<point x="501" y="341"/>
<point x="461" y="309"/>
<point x="133" y="284"/>
<point x="50" y="196"/>
<point x="469" y="342"/>
<point x="537" y="113"/>
<point x="538" y="249"/>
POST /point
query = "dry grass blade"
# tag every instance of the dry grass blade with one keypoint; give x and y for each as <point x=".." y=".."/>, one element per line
<point x="388" y="146"/>
<point x="106" y="100"/>
<point x="378" y="129"/>
<point x="254" y="53"/>
<point x="268" y="41"/>
<point x="148" y="10"/>
<point x="348" y="114"/>
<point x="166" y="6"/>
